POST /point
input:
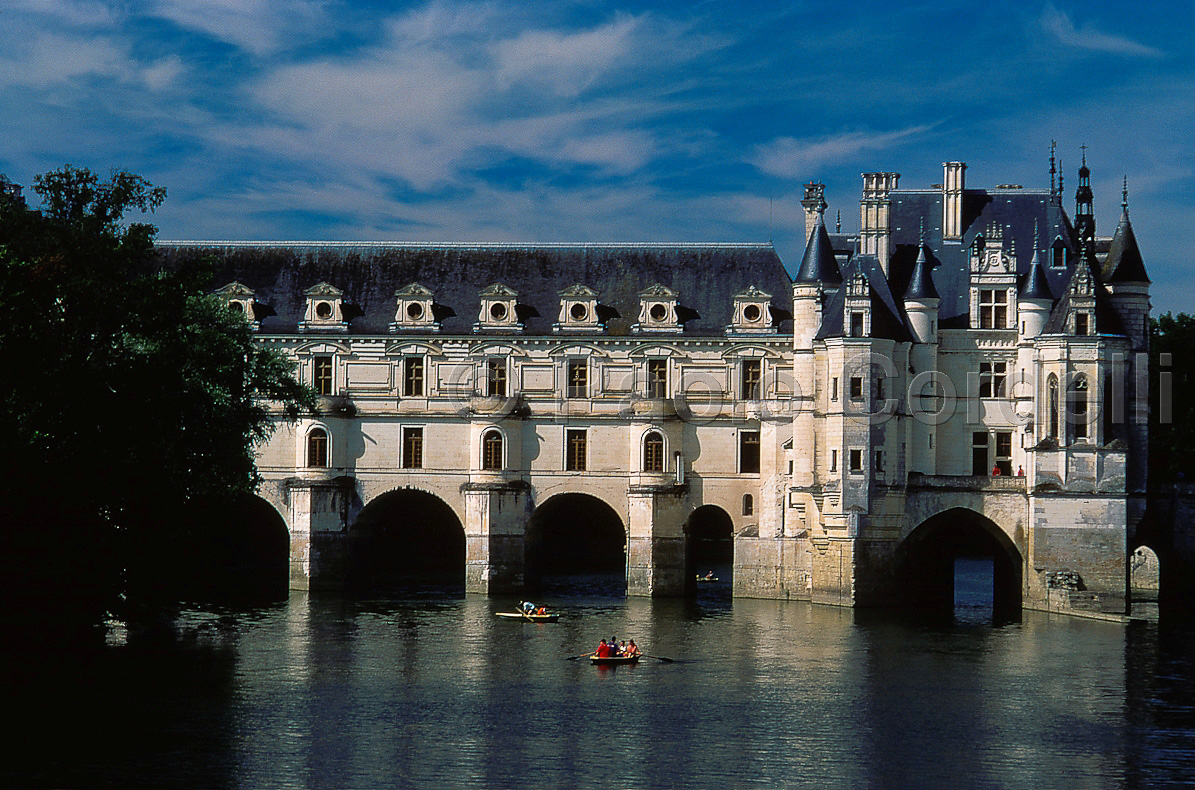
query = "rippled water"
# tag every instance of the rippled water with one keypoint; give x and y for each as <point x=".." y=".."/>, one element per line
<point x="438" y="692"/>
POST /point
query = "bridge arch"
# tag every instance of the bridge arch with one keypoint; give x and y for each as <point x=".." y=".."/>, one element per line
<point x="709" y="546"/>
<point x="925" y="562"/>
<point x="406" y="540"/>
<point x="576" y="542"/>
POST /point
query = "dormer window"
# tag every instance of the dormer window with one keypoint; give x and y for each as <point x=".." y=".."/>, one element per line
<point x="658" y="311"/>
<point x="414" y="310"/>
<point x="324" y="310"/>
<point x="239" y="299"/>
<point x="578" y="310"/>
<point x="993" y="309"/>
<point x="1081" y="324"/>
<point x="752" y="313"/>
<point x="499" y="311"/>
<point x="1058" y="253"/>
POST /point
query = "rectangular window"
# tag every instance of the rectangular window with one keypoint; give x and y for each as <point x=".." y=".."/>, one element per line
<point x="879" y="461"/>
<point x="856" y="458"/>
<point x="856" y="324"/>
<point x="979" y="453"/>
<point x="575" y="446"/>
<point x="1004" y="452"/>
<point x="578" y="378"/>
<point x="1081" y="324"/>
<point x="657" y="378"/>
<point x="752" y="379"/>
<point x="879" y="389"/>
<point x="833" y="460"/>
<point x="748" y="452"/>
<point x="856" y="388"/>
<point x="495" y="378"/>
<point x="412" y="377"/>
<point x="993" y="308"/>
<point x="322" y="380"/>
<point x="412" y="448"/>
<point x="992" y="377"/>
<point x="834" y="388"/>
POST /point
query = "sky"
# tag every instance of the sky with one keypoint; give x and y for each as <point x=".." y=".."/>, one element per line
<point x="572" y="121"/>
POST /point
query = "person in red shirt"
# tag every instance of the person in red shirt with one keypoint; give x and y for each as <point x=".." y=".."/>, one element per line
<point x="603" y="650"/>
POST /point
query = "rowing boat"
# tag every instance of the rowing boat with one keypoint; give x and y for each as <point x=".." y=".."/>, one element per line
<point x="535" y="618"/>
<point x="613" y="660"/>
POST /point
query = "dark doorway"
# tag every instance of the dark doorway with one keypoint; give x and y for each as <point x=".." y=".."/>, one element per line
<point x="957" y="561"/>
<point x="407" y="542"/>
<point x="576" y="544"/>
<point x="709" y="552"/>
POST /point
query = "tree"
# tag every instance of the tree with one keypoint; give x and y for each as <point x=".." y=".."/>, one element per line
<point x="131" y="396"/>
<point x="1172" y="399"/>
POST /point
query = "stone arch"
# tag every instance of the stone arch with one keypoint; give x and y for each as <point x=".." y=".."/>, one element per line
<point x="1175" y="588"/>
<point x="239" y="549"/>
<point x="576" y="542"/>
<point x="924" y="562"/>
<point x="709" y="546"/>
<point x="406" y="540"/>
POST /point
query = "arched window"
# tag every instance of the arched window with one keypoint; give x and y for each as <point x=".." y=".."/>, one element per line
<point x="317" y="448"/>
<point x="491" y="450"/>
<point x="748" y="505"/>
<point x="653" y="452"/>
<point x="1077" y="408"/>
<point x="1052" y="406"/>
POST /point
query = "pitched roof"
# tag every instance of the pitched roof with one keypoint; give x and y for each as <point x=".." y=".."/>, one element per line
<point x="888" y="319"/>
<point x="921" y="284"/>
<point x="705" y="276"/>
<point x="1035" y="285"/>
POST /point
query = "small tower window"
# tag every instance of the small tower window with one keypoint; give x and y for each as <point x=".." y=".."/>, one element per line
<point x="653" y="452"/>
<point x="1052" y="406"/>
<point x="491" y="450"/>
<point x="748" y="505"/>
<point x="322" y="375"/>
<point x="657" y="378"/>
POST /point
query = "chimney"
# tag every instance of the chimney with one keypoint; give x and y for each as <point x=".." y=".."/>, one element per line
<point x="952" y="200"/>
<point x="814" y="204"/>
<point x="874" y="211"/>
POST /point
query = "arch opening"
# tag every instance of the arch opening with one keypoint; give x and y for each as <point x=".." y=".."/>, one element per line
<point x="575" y="544"/>
<point x="406" y="542"/>
<point x="1145" y="575"/>
<point x="960" y="563"/>
<point x="709" y="552"/>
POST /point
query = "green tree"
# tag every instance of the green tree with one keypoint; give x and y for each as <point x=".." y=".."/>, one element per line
<point x="1172" y="399"/>
<point x="132" y="398"/>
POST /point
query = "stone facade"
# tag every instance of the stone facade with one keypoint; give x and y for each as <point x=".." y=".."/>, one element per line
<point x="964" y="376"/>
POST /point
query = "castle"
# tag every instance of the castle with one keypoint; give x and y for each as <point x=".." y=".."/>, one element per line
<point x="966" y="375"/>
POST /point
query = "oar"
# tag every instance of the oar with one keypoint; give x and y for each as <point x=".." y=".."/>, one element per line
<point x="574" y="658"/>
<point x="659" y="658"/>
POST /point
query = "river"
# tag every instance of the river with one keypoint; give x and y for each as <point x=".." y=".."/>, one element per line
<point x="434" y="691"/>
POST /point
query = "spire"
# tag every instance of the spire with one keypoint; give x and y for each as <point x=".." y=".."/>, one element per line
<point x="1035" y="285"/>
<point x="921" y="284"/>
<point x="1055" y="191"/>
<point x="1084" y="212"/>
<point x="819" y="263"/>
<point x="1124" y="263"/>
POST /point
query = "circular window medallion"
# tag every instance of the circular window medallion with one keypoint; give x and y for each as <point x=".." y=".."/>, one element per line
<point x="578" y="311"/>
<point x="498" y="312"/>
<point x="658" y="312"/>
<point x="323" y="310"/>
<point x="414" y="311"/>
<point x="751" y="312"/>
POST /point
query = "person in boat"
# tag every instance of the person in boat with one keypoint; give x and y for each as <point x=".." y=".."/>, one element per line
<point x="603" y="650"/>
<point x="614" y="651"/>
<point x="528" y="607"/>
<point x="542" y="610"/>
<point x="632" y="649"/>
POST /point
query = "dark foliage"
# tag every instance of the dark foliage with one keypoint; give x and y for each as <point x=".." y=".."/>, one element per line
<point x="1172" y="399"/>
<point x="131" y="397"/>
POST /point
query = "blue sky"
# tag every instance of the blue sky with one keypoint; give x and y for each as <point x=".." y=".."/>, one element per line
<point x="587" y="121"/>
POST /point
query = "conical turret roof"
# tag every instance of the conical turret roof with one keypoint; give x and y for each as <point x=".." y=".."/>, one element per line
<point x="819" y="264"/>
<point x="921" y="284"/>
<point x="1124" y="263"/>
<point x="1035" y="285"/>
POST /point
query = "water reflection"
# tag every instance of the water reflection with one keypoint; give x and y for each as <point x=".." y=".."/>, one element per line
<point x="433" y="692"/>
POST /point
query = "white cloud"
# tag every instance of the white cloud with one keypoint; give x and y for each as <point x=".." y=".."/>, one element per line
<point x="260" y="27"/>
<point x="567" y="63"/>
<point x="788" y="157"/>
<point x="1058" y="24"/>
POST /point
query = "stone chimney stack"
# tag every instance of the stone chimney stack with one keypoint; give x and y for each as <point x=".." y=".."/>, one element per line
<point x="814" y="204"/>
<point x="874" y="210"/>
<point x="953" y="180"/>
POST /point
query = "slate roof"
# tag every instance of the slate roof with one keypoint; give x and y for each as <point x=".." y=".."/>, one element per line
<point x="706" y="277"/>
<point x="1017" y="211"/>
<point x="888" y="317"/>
<point x="1035" y="285"/>
<point x="819" y="263"/>
<point x="1124" y="263"/>
<point x="921" y="281"/>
